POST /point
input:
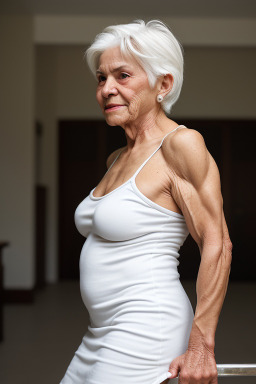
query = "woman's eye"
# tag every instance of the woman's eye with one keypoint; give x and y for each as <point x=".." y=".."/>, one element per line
<point x="101" y="78"/>
<point x="124" y="75"/>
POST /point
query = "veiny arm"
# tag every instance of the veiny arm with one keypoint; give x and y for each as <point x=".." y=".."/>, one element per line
<point x="196" y="189"/>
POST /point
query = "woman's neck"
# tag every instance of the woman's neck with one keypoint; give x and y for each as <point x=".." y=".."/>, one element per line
<point x="144" y="131"/>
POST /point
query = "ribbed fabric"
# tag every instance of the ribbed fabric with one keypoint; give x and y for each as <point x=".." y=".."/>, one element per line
<point x="140" y="315"/>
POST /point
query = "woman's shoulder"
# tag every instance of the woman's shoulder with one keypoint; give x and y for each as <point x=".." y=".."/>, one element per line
<point x="186" y="138"/>
<point x="184" y="142"/>
<point x="186" y="153"/>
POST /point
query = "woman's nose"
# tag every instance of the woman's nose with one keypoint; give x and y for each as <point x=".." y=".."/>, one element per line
<point x="109" y="88"/>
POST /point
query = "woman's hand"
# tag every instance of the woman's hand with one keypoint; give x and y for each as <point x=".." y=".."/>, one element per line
<point x="197" y="365"/>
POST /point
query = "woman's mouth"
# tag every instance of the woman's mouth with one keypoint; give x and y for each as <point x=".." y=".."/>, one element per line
<point x="112" y="107"/>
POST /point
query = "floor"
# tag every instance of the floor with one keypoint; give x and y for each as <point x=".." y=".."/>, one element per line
<point x="41" y="338"/>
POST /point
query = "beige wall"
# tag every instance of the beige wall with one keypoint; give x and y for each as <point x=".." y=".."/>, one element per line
<point x="213" y="88"/>
<point x="218" y="83"/>
<point x="17" y="149"/>
<point x="192" y="31"/>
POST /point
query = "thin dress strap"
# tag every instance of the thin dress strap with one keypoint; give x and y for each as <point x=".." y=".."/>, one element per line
<point x="115" y="160"/>
<point x="142" y="165"/>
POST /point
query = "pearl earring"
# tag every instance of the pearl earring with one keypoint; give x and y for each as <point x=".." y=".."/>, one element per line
<point x="159" y="98"/>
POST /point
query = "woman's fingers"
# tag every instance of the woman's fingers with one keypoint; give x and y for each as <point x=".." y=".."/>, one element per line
<point x="175" y="366"/>
<point x="195" y="367"/>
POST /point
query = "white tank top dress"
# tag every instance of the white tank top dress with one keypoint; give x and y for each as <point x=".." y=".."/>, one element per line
<point x="140" y="315"/>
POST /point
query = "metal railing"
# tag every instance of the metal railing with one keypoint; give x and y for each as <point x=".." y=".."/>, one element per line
<point x="236" y="369"/>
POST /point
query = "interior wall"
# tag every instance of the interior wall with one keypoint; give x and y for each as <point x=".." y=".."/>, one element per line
<point x="218" y="83"/>
<point x="17" y="150"/>
<point x="214" y="87"/>
<point x="191" y="31"/>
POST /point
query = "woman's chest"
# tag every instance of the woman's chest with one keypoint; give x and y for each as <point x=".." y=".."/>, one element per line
<point x="125" y="214"/>
<point x="153" y="180"/>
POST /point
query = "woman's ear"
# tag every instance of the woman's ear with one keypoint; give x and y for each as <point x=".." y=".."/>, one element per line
<point x="166" y="84"/>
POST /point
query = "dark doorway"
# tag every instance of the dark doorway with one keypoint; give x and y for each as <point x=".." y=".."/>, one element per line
<point x="84" y="147"/>
<point x="231" y="143"/>
<point x="83" y="150"/>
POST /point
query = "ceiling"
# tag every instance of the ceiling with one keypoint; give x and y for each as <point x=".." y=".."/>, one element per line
<point x="135" y="8"/>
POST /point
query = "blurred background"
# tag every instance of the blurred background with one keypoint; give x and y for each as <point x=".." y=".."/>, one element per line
<point x="53" y="149"/>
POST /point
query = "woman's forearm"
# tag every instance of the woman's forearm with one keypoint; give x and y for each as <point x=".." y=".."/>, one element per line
<point x="198" y="363"/>
<point x="211" y="287"/>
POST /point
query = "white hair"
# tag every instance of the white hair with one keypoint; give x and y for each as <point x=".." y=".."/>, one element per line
<point x="153" y="46"/>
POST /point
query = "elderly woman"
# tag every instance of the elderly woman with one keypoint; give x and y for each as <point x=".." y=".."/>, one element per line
<point x="162" y="185"/>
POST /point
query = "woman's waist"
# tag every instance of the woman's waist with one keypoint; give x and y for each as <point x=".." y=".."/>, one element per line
<point x="109" y="304"/>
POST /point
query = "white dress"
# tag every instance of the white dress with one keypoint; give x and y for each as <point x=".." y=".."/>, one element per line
<point x="140" y="315"/>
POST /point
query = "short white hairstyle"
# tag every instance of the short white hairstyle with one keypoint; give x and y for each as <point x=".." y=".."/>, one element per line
<point x="154" y="47"/>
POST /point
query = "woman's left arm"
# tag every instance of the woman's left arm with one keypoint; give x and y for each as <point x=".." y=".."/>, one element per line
<point x="196" y="189"/>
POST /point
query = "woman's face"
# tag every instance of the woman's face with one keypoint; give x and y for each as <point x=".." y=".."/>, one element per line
<point x="123" y="91"/>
